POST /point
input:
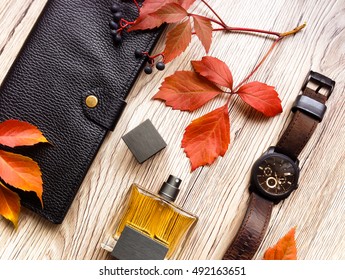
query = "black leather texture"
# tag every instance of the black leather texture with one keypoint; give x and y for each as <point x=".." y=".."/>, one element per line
<point x="69" y="55"/>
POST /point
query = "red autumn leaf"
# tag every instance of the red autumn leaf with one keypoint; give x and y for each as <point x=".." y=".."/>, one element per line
<point x="147" y="20"/>
<point x="21" y="172"/>
<point x="9" y="204"/>
<point x="261" y="97"/>
<point x="150" y="6"/>
<point x="285" y="249"/>
<point x="15" y="133"/>
<point x="170" y="13"/>
<point x="186" y="3"/>
<point x="186" y="91"/>
<point x="178" y="40"/>
<point x="207" y="137"/>
<point x="214" y="70"/>
<point x="203" y="29"/>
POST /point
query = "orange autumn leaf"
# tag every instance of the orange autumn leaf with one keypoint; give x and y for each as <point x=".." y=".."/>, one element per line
<point x="207" y="137"/>
<point x="203" y="29"/>
<point x="186" y="91"/>
<point x="214" y="70"/>
<point x="178" y="40"/>
<point x="21" y="172"/>
<point x="261" y="97"/>
<point x="285" y="249"/>
<point x="9" y="204"/>
<point x="14" y="133"/>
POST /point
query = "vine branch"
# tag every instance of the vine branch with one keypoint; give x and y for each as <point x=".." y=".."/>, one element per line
<point x="214" y="12"/>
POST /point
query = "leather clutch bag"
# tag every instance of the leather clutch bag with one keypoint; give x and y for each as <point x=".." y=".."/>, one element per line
<point x="70" y="80"/>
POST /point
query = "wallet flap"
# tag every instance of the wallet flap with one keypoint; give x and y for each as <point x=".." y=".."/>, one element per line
<point x="102" y="107"/>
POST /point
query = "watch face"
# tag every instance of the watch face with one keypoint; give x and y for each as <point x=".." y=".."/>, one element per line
<point x="275" y="175"/>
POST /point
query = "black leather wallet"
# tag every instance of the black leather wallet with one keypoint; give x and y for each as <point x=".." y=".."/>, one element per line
<point x="69" y="56"/>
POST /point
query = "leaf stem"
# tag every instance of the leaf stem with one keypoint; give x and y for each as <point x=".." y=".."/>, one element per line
<point x="124" y="24"/>
<point x="253" y="30"/>
<point x="226" y="27"/>
<point x="293" y="31"/>
<point x="151" y="58"/>
<point x="276" y="41"/>
<point x="136" y="4"/>
<point x="214" y="12"/>
<point x="278" y="34"/>
<point x="210" y="19"/>
<point x="258" y="65"/>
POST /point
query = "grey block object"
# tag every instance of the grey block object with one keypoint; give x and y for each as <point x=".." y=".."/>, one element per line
<point x="133" y="245"/>
<point x="144" y="141"/>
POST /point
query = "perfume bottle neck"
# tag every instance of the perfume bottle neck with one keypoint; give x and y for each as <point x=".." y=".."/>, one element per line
<point x="170" y="188"/>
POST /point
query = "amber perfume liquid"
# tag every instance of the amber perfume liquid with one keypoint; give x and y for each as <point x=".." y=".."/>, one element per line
<point x="150" y="226"/>
<point x="157" y="218"/>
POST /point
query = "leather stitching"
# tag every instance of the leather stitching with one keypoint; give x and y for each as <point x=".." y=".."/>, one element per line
<point x="236" y="250"/>
<point x="235" y="244"/>
<point x="263" y="230"/>
<point x="247" y="218"/>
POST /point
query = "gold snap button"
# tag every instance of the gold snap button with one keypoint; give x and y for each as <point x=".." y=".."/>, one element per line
<point x="91" y="101"/>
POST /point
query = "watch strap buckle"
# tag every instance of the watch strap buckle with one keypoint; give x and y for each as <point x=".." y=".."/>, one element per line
<point x="309" y="106"/>
<point x="321" y="81"/>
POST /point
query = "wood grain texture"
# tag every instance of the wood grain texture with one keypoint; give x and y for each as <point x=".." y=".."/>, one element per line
<point x="218" y="194"/>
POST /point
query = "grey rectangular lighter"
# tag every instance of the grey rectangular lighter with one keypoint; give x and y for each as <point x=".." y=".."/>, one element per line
<point x="133" y="245"/>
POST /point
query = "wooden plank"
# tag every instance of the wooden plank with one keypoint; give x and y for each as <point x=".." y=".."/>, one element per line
<point x="217" y="194"/>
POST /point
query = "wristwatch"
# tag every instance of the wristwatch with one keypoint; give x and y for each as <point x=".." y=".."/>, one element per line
<point x="275" y="174"/>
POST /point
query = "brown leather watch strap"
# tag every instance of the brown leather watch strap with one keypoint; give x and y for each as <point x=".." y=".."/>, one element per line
<point x="300" y="129"/>
<point x="309" y="109"/>
<point x="252" y="230"/>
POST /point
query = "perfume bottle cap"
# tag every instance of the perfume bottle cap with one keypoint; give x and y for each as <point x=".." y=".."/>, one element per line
<point x="144" y="141"/>
<point x="170" y="188"/>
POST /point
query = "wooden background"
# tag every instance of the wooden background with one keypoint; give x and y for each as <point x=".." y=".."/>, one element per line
<point x="217" y="194"/>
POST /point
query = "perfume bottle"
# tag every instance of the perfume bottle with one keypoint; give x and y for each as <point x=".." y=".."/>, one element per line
<point x="151" y="226"/>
